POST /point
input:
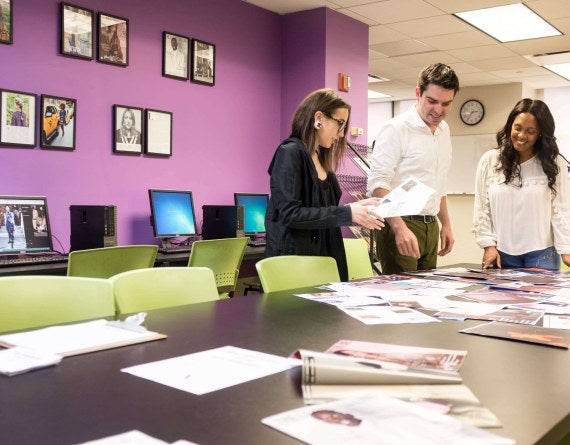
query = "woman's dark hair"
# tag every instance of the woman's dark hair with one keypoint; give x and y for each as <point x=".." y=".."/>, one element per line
<point x="438" y="74"/>
<point x="302" y="127"/>
<point x="545" y="147"/>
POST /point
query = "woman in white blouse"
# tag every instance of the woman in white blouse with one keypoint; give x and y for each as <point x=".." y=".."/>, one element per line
<point x="522" y="196"/>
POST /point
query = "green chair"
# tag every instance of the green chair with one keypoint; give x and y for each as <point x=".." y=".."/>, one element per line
<point x="224" y="257"/>
<point x="108" y="261"/>
<point x="35" y="300"/>
<point x="357" y="258"/>
<point x="159" y="287"/>
<point x="293" y="271"/>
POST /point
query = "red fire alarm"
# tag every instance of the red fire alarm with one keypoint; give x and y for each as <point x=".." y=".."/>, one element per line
<point x="343" y="82"/>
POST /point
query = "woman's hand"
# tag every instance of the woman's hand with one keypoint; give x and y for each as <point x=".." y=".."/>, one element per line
<point x="362" y="214"/>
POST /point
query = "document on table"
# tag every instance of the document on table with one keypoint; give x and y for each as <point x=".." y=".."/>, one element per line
<point x="409" y="198"/>
<point x="19" y="360"/>
<point x="78" y="338"/>
<point x="211" y="370"/>
<point x="133" y="437"/>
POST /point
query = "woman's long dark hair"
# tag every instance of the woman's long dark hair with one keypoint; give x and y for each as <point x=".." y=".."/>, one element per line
<point x="545" y="147"/>
<point x="327" y="101"/>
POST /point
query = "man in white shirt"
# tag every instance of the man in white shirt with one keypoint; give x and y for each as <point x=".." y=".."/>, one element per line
<point x="417" y="143"/>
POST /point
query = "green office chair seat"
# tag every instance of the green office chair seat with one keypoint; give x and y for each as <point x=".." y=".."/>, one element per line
<point x="159" y="287"/>
<point x="357" y="258"/>
<point x="224" y="257"/>
<point x="293" y="271"/>
<point x="37" y="301"/>
<point x="108" y="261"/>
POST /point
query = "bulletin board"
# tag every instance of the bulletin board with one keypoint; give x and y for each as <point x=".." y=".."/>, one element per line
<point x="467" y="150"/>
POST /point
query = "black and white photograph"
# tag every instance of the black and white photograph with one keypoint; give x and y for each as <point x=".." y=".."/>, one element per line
<point x="158" y="130"/>
<point x="6" y="21"/>
<point x="18" y="114"/>
<point x="113" y="35"/>
<point x="58" y="122"/>
<point x="127" y="129"/>
<point x="203" y="62"/>
<point x="175" y="56"/>
<point x="76" y="31"/>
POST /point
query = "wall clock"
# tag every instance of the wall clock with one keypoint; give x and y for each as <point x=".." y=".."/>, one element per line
<point x="472" y="112"/>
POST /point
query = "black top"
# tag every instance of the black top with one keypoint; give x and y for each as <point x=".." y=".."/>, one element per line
<point x="302" y="218"/>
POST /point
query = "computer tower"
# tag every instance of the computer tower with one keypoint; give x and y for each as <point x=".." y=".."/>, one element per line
<point x="221" y="221"/>
<point x="93" y="226"/>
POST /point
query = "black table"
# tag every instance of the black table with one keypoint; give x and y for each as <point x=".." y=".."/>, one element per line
<point x="87" y="397"/>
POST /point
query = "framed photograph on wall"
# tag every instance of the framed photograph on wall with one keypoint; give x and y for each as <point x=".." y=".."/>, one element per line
<point x="127" y="129"/>
<point x="175" y="50"/>
<point x="113" y="33"/>
<point x="76" y="31"/>
<point x="203" y="62"/>
<point x="18" y="114"/>
<point x="158" y="132"/>
<point x="57" y="126"/>
<point x="6" y="21"/>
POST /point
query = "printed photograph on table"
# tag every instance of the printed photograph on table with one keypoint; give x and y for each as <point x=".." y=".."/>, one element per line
<point x="6" y="21"/>
<point x="76" y="31"/>
<point x="18" y="118"/>
<point x="57" y="122"/>
<point x="113" y="33"/>
<point x="203" y="62"/>
<point x="127" y="129"/>
<point x="158" y="132"/>
<point x="175" y="56"/>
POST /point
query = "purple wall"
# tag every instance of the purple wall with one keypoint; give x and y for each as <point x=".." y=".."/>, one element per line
<point x="223" y="136"/>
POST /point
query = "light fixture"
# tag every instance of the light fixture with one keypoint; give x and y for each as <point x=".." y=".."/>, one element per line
<point x="509" y="23"/>
<point x="376" y="95"/>
<point x="373" y="78"/>
<point x="562" y="69"/>
<point x="558" y="63"/>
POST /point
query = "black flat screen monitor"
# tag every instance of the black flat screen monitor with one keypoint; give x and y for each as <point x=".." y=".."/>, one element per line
<point x="254" y="208"/>
<point x="24" y="225"/>
<point x="172" y="213"/>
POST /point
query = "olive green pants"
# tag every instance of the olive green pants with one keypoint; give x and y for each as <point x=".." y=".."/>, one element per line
<point x="391" y="260"/>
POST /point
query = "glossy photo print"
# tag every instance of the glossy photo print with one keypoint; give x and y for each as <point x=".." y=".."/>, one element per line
<point x="76" y="31"/>
<point x="113" y="35"/>
<point x="58" y="117"/>
<point x="6" y="21"/>
<point x="175" y="56"/>
<point x="127" y="131"/>
<point x="203" y="62"/>
<point x="18" y="118"/>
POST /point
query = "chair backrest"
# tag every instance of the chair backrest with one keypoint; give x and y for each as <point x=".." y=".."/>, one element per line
<point x="223" y="256"/>
<point x="108" y="261"/>
<point x="357" y="258"/>
<point x="36" y="300"/>
<point x="158" y="287"/>
<point x="293" y="271"/>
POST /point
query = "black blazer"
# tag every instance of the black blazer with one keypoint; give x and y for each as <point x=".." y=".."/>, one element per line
<point x="296" y="213"/>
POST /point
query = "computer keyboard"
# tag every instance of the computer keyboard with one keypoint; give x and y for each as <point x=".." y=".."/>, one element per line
<point x="256" y="242"/>
<point x="175" y="249"/>
<point x="14" y="260"/>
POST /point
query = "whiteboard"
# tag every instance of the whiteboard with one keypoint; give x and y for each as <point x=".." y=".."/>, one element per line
<point x="467" y="150"/>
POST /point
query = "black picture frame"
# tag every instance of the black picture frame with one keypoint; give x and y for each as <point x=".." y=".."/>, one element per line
<point x="175" y="52"/>
<point x="6" y="22"/>
<point x="203" y="62"/>
<point x="76" y="31"/>
<point x="57" y="122"/>
<point x="113" y="39"/>
<point x="128" y="134"/>
<point x="18" y="118"/>
<point x="158" y="132"/>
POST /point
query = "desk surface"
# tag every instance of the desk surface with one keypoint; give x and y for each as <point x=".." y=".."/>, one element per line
<point x="87" y="397"/>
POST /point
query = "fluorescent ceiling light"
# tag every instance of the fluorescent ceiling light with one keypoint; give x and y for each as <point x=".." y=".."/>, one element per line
<point x="562" y="69"/>
<point x="373" y="78"/>
<point x="509" y="23"/>
<point x="376" y="95"/>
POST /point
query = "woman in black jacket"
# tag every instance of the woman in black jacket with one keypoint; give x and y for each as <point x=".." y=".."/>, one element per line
<point x="303" y="216"/>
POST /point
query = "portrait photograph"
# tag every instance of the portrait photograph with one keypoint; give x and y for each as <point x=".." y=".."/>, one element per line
<point x="113" y="33"/>
<point x="158" y="127"/>
<point x="18" y="114"/>
<point x="203" y="62"/>
<point x="127" y="129"/>
<point x="175" y="56"/>
<point x="58" y="116"/>
<point x="6" y="21"/>
<point x="76" y="31"/>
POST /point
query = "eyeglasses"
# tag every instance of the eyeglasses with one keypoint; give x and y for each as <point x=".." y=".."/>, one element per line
<point x="340" y="122"/>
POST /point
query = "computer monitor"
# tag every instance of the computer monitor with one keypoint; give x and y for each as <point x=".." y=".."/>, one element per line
<point x="255" y="206"/>
<point x="24" y="225"/>
<point x="172" y="213"/>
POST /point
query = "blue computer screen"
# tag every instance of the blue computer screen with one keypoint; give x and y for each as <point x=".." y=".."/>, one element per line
<point x="255" y="205"/>
<point x="172" y="213"/>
